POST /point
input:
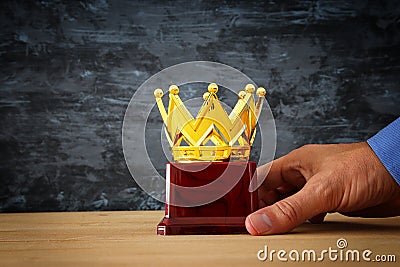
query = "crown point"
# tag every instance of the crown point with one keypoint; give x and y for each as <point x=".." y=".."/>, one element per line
<point x="261" y="91"/>
<point x="206" y="95"/>
<point x="158" y="93"/>
<point x="241" y="94"/>
<point x="249" y="88"/>
<point x="174" y="89"/>
<point x="213" y="88"/>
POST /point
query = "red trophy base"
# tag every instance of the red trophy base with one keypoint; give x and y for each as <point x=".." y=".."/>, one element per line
<point x="226" y="215"/>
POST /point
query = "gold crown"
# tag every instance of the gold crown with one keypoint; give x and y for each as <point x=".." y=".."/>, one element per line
<point x="213" y="135"/>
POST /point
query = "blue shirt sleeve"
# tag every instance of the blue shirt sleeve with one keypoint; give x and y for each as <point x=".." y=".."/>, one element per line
<point x="386" y="145"/>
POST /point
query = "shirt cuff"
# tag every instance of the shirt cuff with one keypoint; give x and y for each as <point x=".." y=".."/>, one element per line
<point x="386" y="145"/>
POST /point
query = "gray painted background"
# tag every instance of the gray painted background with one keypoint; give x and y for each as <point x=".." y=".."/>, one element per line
<point x="69" y="69"/>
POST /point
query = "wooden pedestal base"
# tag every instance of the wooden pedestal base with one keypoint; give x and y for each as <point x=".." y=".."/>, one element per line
<point x="226" y="215"/>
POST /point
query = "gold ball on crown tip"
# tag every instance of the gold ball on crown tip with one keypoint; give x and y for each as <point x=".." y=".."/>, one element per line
<point x="158" y="93"/>
<point x="174" y="89"/>
<point x="206" y="95"/>
<point x="213" y="88"/>
<point x="241" y="94"/>
<point x="249" y="88"/>
<point x="261" y="91"/>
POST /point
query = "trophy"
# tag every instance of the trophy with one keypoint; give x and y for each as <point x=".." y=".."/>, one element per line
<point x="207" y="184"/>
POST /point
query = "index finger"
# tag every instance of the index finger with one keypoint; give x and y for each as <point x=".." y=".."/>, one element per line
<point x="286" y="169"/>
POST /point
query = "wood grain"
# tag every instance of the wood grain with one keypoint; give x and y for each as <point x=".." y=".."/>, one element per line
<point x="129" y="239"/>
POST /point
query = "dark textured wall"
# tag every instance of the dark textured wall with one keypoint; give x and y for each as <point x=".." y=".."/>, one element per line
<point x="69" y="68"/>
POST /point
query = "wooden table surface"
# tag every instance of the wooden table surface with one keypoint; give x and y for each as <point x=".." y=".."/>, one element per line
<point x="128" y="238"/>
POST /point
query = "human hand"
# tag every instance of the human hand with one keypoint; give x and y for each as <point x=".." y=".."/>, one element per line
<point x="315" y="179"/>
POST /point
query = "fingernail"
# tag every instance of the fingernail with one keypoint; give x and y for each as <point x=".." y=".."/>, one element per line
<point x="260" y="222"/>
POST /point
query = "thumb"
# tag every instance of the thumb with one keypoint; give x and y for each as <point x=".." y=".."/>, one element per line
<point x="288" y="213"/>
